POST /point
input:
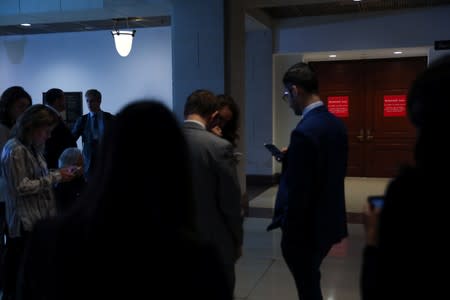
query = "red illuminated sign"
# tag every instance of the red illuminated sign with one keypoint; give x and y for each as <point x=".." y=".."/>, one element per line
<point x="338" y="105"/>
<point x="395" y="105"/>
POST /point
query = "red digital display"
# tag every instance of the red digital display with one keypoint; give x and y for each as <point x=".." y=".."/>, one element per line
<point x="394" y="105"/>
<point x="338" y="105"/>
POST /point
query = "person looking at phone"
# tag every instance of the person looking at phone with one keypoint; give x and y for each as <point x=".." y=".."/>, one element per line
<point x="310" y="203"/>
<point x="131" y="218"/>
<point x="404" y="252"/>
<point x="226" y="123"/>
<point x="69" y="193"/>
<point x="215" y="183"/>
<point x="13" y="102"/>
<point x="29" y="194"/>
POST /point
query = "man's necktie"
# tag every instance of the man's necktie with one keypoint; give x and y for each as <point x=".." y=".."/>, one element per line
<point x="95" y="119"/>
<point x="95" y="130"/>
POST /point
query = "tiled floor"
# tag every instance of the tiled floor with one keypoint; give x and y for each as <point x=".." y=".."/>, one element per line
<point x="263" y="275"/>
<point x="356" y="191"/>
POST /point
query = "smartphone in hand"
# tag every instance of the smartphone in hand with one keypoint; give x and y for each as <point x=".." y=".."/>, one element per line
<point x="75" y="170"/>
<point x="376" y="202"/>
<point x="275" y="151"/>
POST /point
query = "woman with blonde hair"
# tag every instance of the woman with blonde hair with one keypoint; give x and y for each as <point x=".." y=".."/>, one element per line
<point x="29" y="185"/>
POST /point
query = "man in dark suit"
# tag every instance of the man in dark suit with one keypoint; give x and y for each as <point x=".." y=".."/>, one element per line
<point x="215" y="183"/>
<point x="61" y="137"/>
<point x="310" y="204"/>
<point x="91" y="127"/>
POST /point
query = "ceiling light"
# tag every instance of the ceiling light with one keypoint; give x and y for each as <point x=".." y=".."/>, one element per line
<point x="25" y="24"/>
<point x="332" y="55"/>
<point x="398" y="52"/>
<point x="356" y="0"/>
<point x="123" y="39"/>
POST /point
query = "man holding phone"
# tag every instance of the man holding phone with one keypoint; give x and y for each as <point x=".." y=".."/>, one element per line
<point x="310" y="204"/>
<point x="215" y="183"/>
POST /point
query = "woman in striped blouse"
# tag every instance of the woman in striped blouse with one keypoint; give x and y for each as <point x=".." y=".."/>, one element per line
<point x="29" y="185"/>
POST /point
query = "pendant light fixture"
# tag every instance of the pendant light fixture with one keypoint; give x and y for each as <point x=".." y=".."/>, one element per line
<point x="123" y="39"/>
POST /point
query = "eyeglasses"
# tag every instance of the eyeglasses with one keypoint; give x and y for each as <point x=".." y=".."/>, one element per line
<point x="285" y="96"/>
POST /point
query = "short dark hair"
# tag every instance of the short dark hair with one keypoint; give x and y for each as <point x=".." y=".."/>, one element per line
<point x="52" y="95"/>
<point x="201" y="102"/>
<point x="302" y="75"/>
<point x="94" y="93"/>
<point x="9" y="96"/>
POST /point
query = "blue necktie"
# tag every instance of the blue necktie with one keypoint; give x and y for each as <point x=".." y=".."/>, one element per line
<point x="95" y="119"/>
<point x="95" y="126"/>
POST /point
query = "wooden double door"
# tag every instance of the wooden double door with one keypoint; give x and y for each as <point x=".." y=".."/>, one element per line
<point x="370" y="97"/>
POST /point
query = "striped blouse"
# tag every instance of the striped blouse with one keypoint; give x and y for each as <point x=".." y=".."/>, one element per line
<point x="29" y="186"/>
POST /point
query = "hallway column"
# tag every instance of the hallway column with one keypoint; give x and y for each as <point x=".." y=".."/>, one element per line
<point x="198" y="60"/>
<point x="235" y="76"/>
<point x="208" y="52"/>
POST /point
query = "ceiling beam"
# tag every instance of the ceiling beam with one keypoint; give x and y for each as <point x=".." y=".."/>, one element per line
<point x="273" y="3"/>
<point x="260" y="16"/>
<point x="111" y="10"/>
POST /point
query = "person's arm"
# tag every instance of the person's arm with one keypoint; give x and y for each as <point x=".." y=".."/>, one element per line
<point x="301" y="178"/>
<point x="229" y="194"/>
<point x="369" y="269"/>
<point x="15" y="167"/>
<point x="78" y="128"/>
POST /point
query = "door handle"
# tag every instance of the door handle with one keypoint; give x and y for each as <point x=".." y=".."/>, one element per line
<point x="369" y="135"/>
<point x="360" y="137"/>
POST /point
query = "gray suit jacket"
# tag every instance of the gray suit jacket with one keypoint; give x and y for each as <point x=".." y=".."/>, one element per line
<point x="216" y="190"/>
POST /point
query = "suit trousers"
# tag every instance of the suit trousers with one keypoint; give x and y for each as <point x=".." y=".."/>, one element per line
<point x="304" y="261"/>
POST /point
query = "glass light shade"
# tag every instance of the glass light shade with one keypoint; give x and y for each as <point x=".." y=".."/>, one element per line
<point x="123" y="39"/>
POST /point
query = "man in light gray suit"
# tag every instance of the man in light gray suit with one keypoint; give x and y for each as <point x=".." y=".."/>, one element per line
<point x="215" y="183"/>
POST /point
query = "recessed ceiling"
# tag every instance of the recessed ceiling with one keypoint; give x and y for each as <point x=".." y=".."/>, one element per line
<point x="158" y="13"/>
<point x="347" y="7"/>
<point x="94" y="25"/>
<point x="365" y="54"/>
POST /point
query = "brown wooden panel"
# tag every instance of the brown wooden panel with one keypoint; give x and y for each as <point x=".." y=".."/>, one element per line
<point x="396" y="73"/>
<point x="355" y="159"/>
<point x="390" y="139"/>
<point x="386" y="157"/>
<point x="344" y="78"/>
<point x="338" y="75"/>
<point x="378" y="144"/>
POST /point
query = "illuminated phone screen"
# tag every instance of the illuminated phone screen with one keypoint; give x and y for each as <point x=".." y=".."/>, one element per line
<point x="376" y="201"/>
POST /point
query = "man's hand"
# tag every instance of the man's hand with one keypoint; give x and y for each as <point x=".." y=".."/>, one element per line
<point x="217" y="131"/>
<point x="67" y="173"/>
<point x="238" y="252"/>
<point x="371" y="218"/>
